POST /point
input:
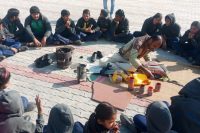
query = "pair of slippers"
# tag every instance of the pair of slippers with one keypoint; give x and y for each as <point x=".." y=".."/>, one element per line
<point x="96" y="55"/>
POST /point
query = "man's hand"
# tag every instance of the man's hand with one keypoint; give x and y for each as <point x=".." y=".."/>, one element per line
<point x="67" y="24"/>
<point x="115" y="128"/>
<point x="86" y="30"/>
<point x="149" y="74"/>
<point x="146" y="72"/>
<point x="92" y="31"/>
<point x="44" y="41"/>
<point x="36" y="42"/>
<point x="14" y="50"/>
<point x="1" y="26"/>
<point x="38" y="104"/>
<point x="89" y="30"/>
<point x="190" y="36"/>
<point x="116" y="20"/>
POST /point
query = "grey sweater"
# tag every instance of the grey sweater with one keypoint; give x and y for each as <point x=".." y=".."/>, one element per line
<point x="47" y="30"/>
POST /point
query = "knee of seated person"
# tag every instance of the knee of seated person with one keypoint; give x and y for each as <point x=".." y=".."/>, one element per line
<point x="78" y="127"/>
<point x="138" y="117"/>
<point x="78" y="37"/>
<point x="98" y="33"/>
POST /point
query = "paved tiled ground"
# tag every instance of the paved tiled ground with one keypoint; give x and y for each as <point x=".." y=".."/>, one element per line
<point x="79" y="99"/>
<point x="50" y="83"/>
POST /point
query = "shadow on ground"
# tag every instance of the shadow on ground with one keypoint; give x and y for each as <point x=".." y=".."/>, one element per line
<point x="180" y="62"/>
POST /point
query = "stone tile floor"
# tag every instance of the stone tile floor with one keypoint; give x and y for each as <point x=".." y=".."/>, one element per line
<point x="79" y="100"/>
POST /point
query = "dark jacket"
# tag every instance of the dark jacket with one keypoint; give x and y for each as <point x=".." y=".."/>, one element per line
<point x="47" y="31"/>
<point x="159" y="118"/>
<point x="60" y="119"/>
<point x="4" y="33"/>
<point x="194" y="41"/>
<point x="82" y="24"/>
<point x="104" y="23"/>
<point x="11" y="111"/>
<point x="151" y="29"/>
<point x="93" y="127"/>
<point x="15" y="27"/>
<point x="173" y="30"/>
<point x="62" y="29"/>
<point x="185" y="108"/>
<point x="121" y="29"/>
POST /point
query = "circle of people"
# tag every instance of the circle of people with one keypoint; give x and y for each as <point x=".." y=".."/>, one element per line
<point x="37" y="32"/>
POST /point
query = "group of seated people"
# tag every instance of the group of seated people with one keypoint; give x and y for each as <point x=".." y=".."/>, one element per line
<point x="187" y="46"/>
<point x="182" y="116"/>
<point x="37" y="31"/>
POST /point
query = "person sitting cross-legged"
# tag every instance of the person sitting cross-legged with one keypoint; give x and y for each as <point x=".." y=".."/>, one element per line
<point x="119" y="30"/>
<point x="38" y="28"/>
<point x="104" y="23"/>
<point x="65" y="29"/>
<point x="87" y="27"/>
<point x="190" y="44"/>
<point x="13" y="24"/>
<point x="8" y="45"/>
<point x="152" y="26"/>
<point x="171" y="32"/>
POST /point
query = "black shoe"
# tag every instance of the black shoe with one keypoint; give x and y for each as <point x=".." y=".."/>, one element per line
<point x="23" y="48"/>
<point x="99" y="54"/>
<point x="30" y="107"/>
<point x="78" y="43"/>
<point x="94" y="57"/>
<point x="128" y="123"/>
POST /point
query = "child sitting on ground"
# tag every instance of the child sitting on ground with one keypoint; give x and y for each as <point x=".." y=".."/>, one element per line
<point x="102" y="120"/>
<point x="104" y="23"/>
<point x="190" y="44"/>
<point x="38" y="28"/>
<point x="87" y="27"/>
<point x="8" y="46"/>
